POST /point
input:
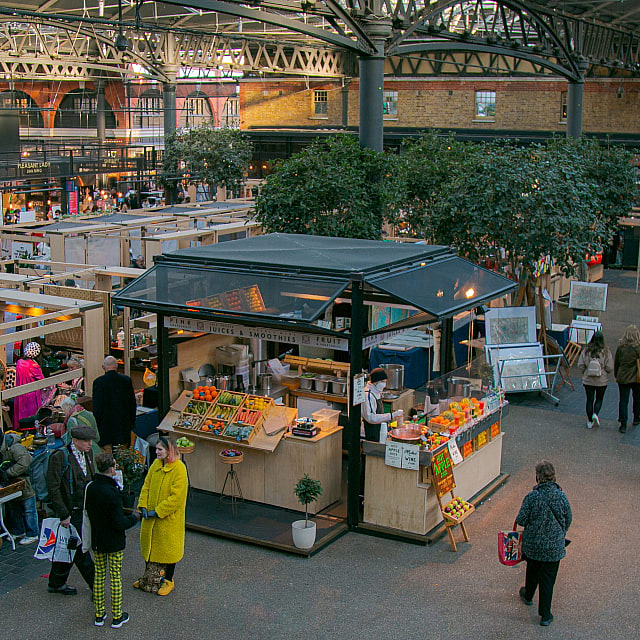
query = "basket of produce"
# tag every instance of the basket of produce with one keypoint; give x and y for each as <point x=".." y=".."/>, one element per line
<point x="231" y="399"/>
<point x="457" y="510"/>
<point x="185" y="445"/>
<point x="213" y="426"/>
<point x="231" y="456"/>
<point x="205" y="394"/>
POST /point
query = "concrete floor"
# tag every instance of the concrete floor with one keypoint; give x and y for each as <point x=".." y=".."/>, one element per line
<point x="362" y="587"/>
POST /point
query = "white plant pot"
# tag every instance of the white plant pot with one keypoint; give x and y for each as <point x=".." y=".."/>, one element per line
<point x="303" y="537"/>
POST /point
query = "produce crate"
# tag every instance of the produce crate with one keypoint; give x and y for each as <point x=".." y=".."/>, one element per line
<point x="223" y="412"/>
<point x="249" y="417"/>
<point x="231" y="433"/>
<point x="481" y="439"/>
<point x="231" y="398"/>
<point x="198" y="408"/>
<point x="252" y="298"/>
<point x="495" y="429"/>
<point x="258" y="403"/>
<point x="462" y="517"/>
<point x="189" y="422"/>
<point x="467" y="449"/>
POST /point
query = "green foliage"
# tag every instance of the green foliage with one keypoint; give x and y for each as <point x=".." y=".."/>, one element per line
<point x="562" y="199"/>
<point x="216" y="157"/>
<point x="132" y="470"/>
<point x="331" y="188"/>
<point x="307" y="491"/>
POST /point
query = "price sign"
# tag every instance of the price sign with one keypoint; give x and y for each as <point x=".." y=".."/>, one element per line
<point x="358" y="389"/>
<point x="410" y="456"/>
<point x="393" y="454"/>
<point x="456" y="456"/>
<point x="442" y="469"/>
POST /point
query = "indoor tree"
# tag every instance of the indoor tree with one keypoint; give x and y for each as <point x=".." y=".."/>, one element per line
<point x="204" y="154"/>
<point x="331" y="188"/>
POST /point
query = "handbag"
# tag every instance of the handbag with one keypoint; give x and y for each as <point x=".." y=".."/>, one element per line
<point x="510" y="547"/>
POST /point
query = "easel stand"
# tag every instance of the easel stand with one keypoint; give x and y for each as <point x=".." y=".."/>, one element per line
<point x="443" y="482"/>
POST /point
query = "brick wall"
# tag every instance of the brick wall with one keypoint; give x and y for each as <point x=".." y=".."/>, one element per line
<point x="520" y="104"/>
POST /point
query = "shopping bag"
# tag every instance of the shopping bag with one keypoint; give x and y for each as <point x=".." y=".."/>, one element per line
<point x="510" y="547"/>
<point x="54" y="541"/>
<point x="86" y="524"/>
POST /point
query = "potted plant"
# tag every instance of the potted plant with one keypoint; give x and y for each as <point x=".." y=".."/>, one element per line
<point x="133" y="472"/>
<point x="307" y="491"/>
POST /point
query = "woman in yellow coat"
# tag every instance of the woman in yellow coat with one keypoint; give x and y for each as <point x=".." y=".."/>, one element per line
<point x="162" y="504"/>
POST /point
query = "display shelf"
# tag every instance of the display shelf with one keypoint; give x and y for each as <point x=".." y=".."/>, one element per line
<point x="327" y="397"/>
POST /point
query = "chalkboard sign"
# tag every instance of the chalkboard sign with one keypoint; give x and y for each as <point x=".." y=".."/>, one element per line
<point x="442" y="469"/>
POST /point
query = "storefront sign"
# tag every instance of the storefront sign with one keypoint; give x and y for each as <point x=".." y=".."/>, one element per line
<point x="442" y="469"/>
<point x="370" y="341"/>
<point x="454" y="452"/>
<point x="393" y="454"/>
<point x="359" y="382"/>
<point x="258" y="333"/>
<point x="33" y="168"/>
<point x="402" y="456"/>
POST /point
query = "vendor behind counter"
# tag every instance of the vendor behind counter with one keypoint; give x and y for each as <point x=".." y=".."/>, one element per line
<point x="374" y="419"/>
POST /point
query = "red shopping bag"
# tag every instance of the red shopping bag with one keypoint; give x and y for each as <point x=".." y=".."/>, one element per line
<point x="510" y="547"/>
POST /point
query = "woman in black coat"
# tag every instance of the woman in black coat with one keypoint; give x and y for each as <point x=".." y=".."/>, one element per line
<point x="546" y="517"/>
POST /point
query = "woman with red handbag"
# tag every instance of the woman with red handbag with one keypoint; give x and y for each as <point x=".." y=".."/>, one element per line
<point x="546" y="517"/>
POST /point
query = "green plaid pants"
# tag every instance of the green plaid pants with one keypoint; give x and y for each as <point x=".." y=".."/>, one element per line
<point x="114" y="560"/>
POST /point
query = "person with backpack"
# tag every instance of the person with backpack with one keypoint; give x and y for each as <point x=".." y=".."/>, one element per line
<point x="15" y="462"/>
<point x="595" y="365"/>
<point x="70" y="470"/>
<point x="108" y="525"/>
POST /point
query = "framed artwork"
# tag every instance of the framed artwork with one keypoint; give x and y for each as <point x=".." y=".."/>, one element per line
<point x="518" y="367"/>
<point x="588" y="295"/>
<point x="510" y="325"/>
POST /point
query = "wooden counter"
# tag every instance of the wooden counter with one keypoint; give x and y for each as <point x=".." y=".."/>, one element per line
<point x="269" y="474"/>
<point x="398" y="499"/>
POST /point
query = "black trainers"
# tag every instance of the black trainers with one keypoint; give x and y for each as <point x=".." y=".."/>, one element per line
<point x="523" y="597"/>
<point x="622" y="428"/>
<point x="118" y="622"/>
<point x="545" y="622"/>
<point x="99" y="621"/>
<point x="64" y="590"/>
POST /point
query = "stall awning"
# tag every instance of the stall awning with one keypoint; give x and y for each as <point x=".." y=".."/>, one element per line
<point x="444" y="287"/>
<point x="244" y="293"/>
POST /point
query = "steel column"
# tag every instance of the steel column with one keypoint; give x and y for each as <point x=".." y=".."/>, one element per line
<point x="164" y="399"/>
<point x="574" y="103"/>
<point x="100" y="114"/>
<point x="353" y="446"/>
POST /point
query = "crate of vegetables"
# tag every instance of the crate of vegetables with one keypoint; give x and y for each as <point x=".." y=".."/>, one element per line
<point x="197" y="408"/>
<point x="231" y="399"/>
<point x="224" y="413"/>
<point x="213" y="427"/>
<point x="205" y="394"/>
<point x="249" y="417"/>
<point x="240" y="432"/>
<point x="189" y="421"/>
<point x="258" y="403"/>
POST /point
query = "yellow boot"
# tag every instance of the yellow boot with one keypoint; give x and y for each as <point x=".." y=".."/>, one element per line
<point x="166" y="588"/>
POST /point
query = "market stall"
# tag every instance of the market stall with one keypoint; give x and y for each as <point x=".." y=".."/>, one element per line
<point x="279" y="290"/>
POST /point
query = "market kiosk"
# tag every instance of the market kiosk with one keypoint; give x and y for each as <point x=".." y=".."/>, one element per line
<point x="279" y="288"/>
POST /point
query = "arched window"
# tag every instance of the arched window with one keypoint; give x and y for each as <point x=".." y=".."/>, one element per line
<point x="78" y="111"/>
<point x="30" y="114"/>
<point x="150" y="112"/>
<point x="196" y="110"/>
<point x="231" y="113"/>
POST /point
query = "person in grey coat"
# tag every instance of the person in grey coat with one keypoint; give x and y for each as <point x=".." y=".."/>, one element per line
<point x="595" y="365"/>
<point x="546" y="517"/>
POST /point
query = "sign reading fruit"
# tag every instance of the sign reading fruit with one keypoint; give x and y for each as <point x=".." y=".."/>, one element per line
<point x="442" y="469"/>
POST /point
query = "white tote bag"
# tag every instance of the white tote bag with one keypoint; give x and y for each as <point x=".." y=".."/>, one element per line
<point x="86" y="525"/>
<point x="54" y="541"/>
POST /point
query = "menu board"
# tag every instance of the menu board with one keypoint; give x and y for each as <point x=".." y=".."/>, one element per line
<point x="442" y="469"/>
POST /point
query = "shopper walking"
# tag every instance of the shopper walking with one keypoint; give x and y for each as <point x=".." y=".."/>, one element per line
<point x="108" y="525"/>
<point x="15" y="461"/>
<point x="162" y="504"/>
<point x="70" y="470"/>
<point x="627" y="375"/>
<point x="546" y="517"/>
<point x="595" y="365"/>
<point x="114" y="406"/>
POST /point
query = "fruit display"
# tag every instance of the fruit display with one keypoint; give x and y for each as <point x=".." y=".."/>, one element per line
<point x="247" y="416"/>
<point x="457" y="509"/>
<point x="256" y="402"/>
<point x="239" y="432"/>
<point x="234" y="301"/>
<point x="206" y="394"/>
<point x="434" y="440"/>
<point x="197" y="408"/>
<point x="230" y="453"/>
<point x="213" y="426"/>
<point x="231" y="399"/>
<point x="226" y="414"/>
<point x="215" y="302"/>
<point x="252" y="298"/>
<point x="183" y="442"/>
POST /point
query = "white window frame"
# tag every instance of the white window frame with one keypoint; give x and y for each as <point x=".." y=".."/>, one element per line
<point x="483" y="102"/>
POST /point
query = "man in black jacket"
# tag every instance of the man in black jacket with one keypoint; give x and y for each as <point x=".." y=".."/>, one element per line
<point x="70" y="470"/>
<point x="108" y="539"/>
<point x="114" y="406"/>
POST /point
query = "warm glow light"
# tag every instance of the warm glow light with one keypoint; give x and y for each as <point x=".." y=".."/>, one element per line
<point x="89" y="198"/>
<point x="180" y="332"/>
<point x="440" y="293"/>
<point x="470" y="292"/>
<point x="105" y="197"/>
